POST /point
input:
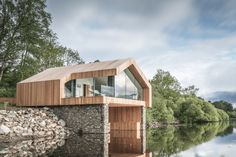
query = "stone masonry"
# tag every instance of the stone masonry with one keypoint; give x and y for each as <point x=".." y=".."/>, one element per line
<point x="84" y="118"/>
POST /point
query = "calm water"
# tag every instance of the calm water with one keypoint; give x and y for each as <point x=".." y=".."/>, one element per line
<point x="208" y="140"/>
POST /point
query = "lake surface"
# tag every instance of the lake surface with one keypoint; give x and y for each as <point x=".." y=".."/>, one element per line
<point x="206" y="140"/>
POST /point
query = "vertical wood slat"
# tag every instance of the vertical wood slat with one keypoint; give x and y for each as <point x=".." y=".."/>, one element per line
<point x="125" y="118"/>
<point x="38" y="93"/>
<point x="33" y="93"/>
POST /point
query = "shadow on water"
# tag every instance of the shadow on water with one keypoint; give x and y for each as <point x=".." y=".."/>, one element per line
<point x="161" y="142"/>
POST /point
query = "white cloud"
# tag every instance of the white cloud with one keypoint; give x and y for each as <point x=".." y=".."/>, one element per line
<point x="170" y="35"/>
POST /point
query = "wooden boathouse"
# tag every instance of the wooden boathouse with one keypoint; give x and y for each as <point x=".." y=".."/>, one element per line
<point x="114" y="93"/>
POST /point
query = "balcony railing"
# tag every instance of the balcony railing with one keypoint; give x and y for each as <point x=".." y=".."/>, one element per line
<point x="103" y="90"/>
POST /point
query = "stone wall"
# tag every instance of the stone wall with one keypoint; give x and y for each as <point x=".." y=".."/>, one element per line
<point x="23" y="123"/>
<point x="84" y="118"/>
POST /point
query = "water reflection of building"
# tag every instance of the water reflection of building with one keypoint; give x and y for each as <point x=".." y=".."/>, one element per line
<point x="128" y="144"/>
<point x="115" y="144"/>
<point x="128" y="134"/>
<point x="127" y="137"/>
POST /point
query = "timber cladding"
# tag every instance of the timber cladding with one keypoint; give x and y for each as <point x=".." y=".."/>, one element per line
<point x="47" y="87"/>
<point x="111" y="101"/>
<point x="125" y="118"/>
<point x="41" y="93"/>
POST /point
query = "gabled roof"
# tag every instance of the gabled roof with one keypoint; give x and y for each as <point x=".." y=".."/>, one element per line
<point x="60" y="73"/>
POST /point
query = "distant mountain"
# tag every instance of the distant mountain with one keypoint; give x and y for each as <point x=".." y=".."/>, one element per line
<point x="223" y="95"/>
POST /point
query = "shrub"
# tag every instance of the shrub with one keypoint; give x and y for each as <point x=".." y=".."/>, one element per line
<point x="7" y="92"/>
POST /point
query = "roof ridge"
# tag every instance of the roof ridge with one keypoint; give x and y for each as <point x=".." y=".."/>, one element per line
<point x="56" y="73"/>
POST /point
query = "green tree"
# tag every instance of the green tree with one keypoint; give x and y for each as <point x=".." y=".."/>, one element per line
<point x="171" y="102"/>
<point x="161" y="112"/>
<point x="166" y="90"/>
<point x="164" y="85"/>
<point x="71" y="57"/>
<point x="24" y="24"/>
<point x="189" y="110"/>
<point x="226" y="106"/>
<point x="190" y="91"/>
<point x="27" y="44"/>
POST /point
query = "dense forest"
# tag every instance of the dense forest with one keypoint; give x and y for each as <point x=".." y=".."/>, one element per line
<point x="28" y="46"/>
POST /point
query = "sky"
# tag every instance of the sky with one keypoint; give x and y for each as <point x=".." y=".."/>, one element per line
<point x="195" y="40"/>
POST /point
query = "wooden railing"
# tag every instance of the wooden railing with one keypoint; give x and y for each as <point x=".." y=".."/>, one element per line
<point x="9" y="100"/>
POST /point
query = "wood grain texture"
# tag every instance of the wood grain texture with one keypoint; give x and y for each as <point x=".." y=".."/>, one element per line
<point x="47" y="87"/>
<point x="44" y="93"/>
<point x="125" y="118"/>
<point x="86" y="70"/>
<point x="112" y="102"/>
<point x="147" y="96"/>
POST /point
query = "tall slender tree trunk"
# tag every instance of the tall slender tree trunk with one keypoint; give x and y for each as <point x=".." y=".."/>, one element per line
<point x="1" y="73"/>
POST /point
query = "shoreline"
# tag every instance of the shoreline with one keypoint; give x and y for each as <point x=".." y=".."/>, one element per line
<point x="156" y="125"/>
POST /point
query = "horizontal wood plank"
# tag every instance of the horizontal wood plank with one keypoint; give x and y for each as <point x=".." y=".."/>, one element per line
<point x="112" y="102"/>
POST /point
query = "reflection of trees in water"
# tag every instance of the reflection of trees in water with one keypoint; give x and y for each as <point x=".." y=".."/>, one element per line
<point x="170" y="140"/>
<point x="233" y="122"/>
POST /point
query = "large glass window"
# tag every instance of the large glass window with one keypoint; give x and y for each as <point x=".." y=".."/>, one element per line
<point x="79" y="88"/>
<point x="126" y="86"/>
<point x="70" y="89"/>
<point x="123" y="85"/>
<point x="104" y="86"/>
<point x="84" y="87"/>
<point x="133" y="88"/>
<point x="120" y="85"/>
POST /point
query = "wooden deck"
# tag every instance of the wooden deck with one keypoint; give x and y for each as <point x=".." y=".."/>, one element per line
<point x="112" y="102"/>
